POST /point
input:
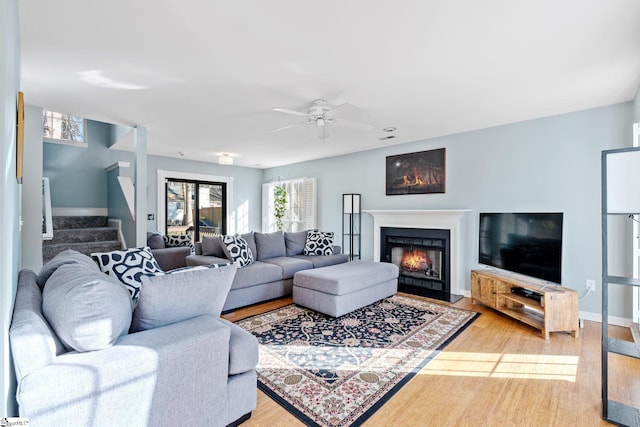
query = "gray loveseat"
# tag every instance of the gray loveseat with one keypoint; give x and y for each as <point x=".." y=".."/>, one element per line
<point x="278" y="256"/>
<point x="76" y="362"/>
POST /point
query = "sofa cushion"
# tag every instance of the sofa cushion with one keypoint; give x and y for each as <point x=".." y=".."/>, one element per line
<point x="68" y="256"/>
<point x="182" y="294"/>
<point x="128" y="266"/>
<point x="155" y="240"/>
<point x="237" y="250"/>
<point x="87" y="310"/>
<point x="295" y="242"/>
<point x="290" y="265"/>
<point x="179" y="241"/>
<point x="319" y="243"/>
<point x="270" y="245"/>
<point x="212" y="246"/>
<point x="257" y="273"/>
<point x="324" y="260"/>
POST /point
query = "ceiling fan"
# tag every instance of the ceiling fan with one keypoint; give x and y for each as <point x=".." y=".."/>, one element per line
<point x="321" y="115"/>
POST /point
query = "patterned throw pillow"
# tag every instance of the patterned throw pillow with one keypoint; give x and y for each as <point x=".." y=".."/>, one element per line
<point x="237" y="250"/>
<point x="179" y="241"/>
<point x="129" y="266"/>
<point x="194" y="268"/>
<point x="319" y="243"/>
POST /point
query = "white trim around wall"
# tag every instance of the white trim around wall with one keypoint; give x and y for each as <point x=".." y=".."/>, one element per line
<point x="79" y="212"/>
<point x="162" y="175"/>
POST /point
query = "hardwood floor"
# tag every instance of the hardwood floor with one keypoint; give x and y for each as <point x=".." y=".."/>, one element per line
<point x="498" y="372"/>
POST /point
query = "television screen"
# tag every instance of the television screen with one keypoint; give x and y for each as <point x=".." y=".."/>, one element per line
<point x="526" y="243"/>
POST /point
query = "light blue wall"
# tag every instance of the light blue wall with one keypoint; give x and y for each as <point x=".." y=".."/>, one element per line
<point x="246" y="187"/>
<point x="549" y="164"/>
<point x="10" y="193"/>
<point x="77" y="175"/>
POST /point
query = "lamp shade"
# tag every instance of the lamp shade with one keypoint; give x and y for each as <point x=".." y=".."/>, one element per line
<point x="350" y="203"/>
<point x="623" y="182"/>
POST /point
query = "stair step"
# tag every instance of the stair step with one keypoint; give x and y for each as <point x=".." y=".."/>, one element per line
<point x="82" y="235"/>
<point x="51" y="250"/>
<point x="67" y="222"/>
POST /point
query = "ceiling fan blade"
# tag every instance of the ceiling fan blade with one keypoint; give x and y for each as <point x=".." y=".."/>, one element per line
<point x="353" y="125"/>
<point x="287" y="111"/>
<point x="341" y="106"/>
<point x="283" y="128"/>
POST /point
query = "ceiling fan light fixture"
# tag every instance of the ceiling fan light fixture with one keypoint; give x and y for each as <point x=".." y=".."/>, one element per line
<point x="225" y="159"/>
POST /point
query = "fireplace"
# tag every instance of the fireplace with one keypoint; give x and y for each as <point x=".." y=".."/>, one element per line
<point x="423" y="258"/>
<point x="452" y="220"/>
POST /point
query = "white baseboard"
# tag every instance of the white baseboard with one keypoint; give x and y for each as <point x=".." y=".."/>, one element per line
<point x="79" y="212"/>
<point x="597" y="317"/>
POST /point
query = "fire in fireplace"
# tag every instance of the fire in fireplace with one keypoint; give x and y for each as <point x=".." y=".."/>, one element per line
<point x="422" y="256"/>
<point x="418" y="261"/>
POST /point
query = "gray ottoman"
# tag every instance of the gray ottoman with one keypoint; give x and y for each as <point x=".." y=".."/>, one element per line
<point x="339" y="289"/>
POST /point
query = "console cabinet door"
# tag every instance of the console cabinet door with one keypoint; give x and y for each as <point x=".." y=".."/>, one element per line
<point x="483" y="289"/>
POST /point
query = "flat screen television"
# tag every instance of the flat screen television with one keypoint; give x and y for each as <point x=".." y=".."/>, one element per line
<point x="525" y="243"/>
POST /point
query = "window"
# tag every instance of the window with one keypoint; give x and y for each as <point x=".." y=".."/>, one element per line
<point x="63" y="128"/>
<point x="195" y="208"/>
<point x="300" y="211"/>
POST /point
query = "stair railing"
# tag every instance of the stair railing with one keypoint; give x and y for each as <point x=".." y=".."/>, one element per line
<point x="47" y="220"/>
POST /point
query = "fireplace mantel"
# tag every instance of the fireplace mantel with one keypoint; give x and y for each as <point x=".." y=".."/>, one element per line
<point x="436" y="219"/>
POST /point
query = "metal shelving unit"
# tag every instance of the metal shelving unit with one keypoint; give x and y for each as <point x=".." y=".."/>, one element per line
<point x="620" y="196"/>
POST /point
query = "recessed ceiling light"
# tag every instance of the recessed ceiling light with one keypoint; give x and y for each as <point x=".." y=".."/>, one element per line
<point x="384" y="138"/>
<point x="390" y="129"/>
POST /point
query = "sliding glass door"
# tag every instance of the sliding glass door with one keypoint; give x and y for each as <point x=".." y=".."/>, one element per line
<point x="195" y="208"/>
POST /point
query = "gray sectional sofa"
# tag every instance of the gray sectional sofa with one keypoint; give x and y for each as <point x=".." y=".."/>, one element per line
<point x="278" y="256"/>
<point x="77" y="363"/>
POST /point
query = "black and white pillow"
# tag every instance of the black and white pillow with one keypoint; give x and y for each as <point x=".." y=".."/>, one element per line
<point x="237" y="250"/>
<point x="319" y="243"/>
<point x="194" y="268"/>
<point x="128" y="267"/>
<point x="179" y="241"/>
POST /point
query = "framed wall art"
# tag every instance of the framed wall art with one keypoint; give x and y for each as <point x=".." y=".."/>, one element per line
<point x="416" y="173"/>
<point x="20" y="138"/>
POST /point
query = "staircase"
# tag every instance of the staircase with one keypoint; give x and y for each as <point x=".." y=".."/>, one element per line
<point x="85" y="234"/>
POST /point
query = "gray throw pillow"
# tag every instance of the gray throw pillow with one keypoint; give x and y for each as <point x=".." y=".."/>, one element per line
<point x="212" y="246"/>
<point x="155" y="240"/>
<point x="87" y="309"/>
<point x="68" y="256"/>
<point x="270" y="245"/>
<point x="295" y="242"/>
<point x="248" y="237"/>
<point x="182" y="294"/>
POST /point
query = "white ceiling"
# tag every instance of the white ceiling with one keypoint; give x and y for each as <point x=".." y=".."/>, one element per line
<point x="203" y="76"/>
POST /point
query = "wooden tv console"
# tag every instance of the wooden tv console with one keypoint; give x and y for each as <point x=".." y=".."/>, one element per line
<point x="555" y="311"/>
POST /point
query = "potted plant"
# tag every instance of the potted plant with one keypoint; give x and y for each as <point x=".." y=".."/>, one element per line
<point x="279" y="204"/>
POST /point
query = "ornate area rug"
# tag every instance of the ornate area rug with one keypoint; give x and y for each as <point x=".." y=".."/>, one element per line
<point x="338" y="372"/>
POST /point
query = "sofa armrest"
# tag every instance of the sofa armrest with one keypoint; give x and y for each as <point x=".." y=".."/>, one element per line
<point x="162" y="376"/>
<point x="170" y="258"/>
